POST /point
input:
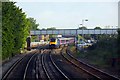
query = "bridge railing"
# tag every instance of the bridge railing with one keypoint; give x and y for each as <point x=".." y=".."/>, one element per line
<point x="74" y="31"/>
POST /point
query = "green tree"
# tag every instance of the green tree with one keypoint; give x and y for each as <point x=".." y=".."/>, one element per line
<point x="97" y="28"/>
<point x="83" y="27"/>
<point x="0" y="30"/>
<point x="15" y="29"/>
<point x="33" y="24"/>
<point x="7" y="29"/>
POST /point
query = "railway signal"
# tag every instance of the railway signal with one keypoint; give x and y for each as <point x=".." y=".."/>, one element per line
<point x="28" y="43"/>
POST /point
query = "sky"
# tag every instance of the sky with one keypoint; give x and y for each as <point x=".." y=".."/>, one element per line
<point x="69" y="15"/>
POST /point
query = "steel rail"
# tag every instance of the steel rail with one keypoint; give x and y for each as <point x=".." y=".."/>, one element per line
<point x="74" y="64"/>
<point x="44" y="68"/>
<point x="91" y="66"/>
<point x="57" y="68"/>
<point x="40" y="68"/>
<point x="12" y="67"/>
<point x="36" y="67"/>
<point x="25" y="73"/>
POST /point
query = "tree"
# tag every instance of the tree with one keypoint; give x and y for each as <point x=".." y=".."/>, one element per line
<point x="0" y="30"/>
<point x="83" y="27"/>
<point x="0" y="17"/>
<point x="15" y="29"/>
<point x="97" y="28"/>
<point x="33" y="24"/>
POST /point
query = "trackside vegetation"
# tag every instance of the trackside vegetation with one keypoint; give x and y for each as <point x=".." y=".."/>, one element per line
<point x="15" y="29"/>
<point x="0" y="31"/>
<point x="105" y="53"/>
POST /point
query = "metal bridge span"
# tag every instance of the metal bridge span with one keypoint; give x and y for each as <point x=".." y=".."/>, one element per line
<point x="73" y="31"/>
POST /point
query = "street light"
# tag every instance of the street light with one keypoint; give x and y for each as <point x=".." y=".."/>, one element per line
<point x="83" y="24"/>
<point x="82" y="30"/>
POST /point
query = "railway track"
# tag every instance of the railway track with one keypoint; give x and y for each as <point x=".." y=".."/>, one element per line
<point x="35" y="66"/>
<point x="50" y="68"/>
<point x="28" y="70"/>
<point x="40" y="71"/>
<point x="11" y="73"/>
<point x="57" y="68"/>
<point x="11" y="68"/>
<point x="42" y="66"/>
<point x="98" y="74"/>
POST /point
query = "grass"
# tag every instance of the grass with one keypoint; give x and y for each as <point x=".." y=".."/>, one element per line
<point x="98" y="56"/>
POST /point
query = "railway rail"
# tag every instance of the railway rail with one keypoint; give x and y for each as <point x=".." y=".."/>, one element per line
<point x="57" y="68"/>
<point x="26" y="76"/>
<point x="44" y="68"/>
<point x="35" y="66"/>
<point x="39" y="72"/>
<point x="13" y="68"/>
<point x="42" y="65"/>
<point x="91" y="67"/>
<point x="79" y="67"/>
<point x="87" y="68"/>
<point x="51" y="69"/>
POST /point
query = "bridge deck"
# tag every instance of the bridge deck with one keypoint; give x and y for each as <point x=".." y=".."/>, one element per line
<point x="74" y="31"/>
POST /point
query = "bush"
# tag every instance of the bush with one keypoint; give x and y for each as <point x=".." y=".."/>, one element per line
<point x="15" y="29"/>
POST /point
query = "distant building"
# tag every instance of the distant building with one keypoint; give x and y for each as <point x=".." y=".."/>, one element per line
<point x="46" y="37"/>
<point x="43" y="37"/>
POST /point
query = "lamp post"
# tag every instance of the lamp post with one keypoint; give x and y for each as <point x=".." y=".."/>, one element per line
<point x="83" y="24"/>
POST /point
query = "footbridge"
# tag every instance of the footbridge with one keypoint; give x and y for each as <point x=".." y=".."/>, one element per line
<point x="74" y="31"/>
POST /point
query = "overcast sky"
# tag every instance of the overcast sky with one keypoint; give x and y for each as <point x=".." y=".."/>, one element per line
<point x="68" y="15"/>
